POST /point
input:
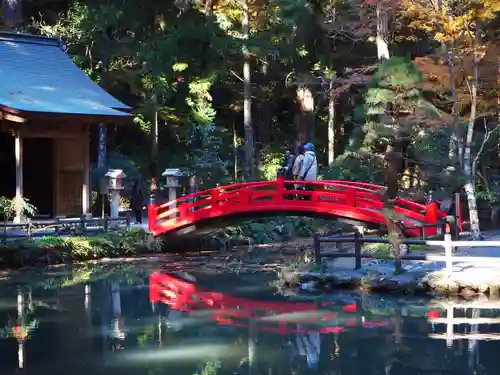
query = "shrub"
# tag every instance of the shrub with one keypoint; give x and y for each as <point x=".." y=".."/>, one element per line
<point x="53" y="250"/>
<point x="385" y="248"/>
<point x="275" y="229"/>
<point x="8" y="208"/>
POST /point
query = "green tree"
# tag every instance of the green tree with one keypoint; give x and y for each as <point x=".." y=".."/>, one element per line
<point x="395" y="107"/>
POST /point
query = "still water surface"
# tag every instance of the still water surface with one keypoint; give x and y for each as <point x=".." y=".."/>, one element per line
<point x="130" y="319"/>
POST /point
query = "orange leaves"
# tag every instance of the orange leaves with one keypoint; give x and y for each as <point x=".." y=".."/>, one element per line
<point x="425" y="15"/>
<point x="446" y="23"/>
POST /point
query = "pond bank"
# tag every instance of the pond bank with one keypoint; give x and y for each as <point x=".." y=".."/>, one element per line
<point x="423" y="277"/>
<point x="380" y="276"/>
<point x="136" y="245"/>
<point x="52" y="250"/>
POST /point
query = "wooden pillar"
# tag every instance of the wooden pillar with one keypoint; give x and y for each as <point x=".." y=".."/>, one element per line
<point x="86" y="188"/>
<point x="56" y="176"/>
<point x="18" y="149"/>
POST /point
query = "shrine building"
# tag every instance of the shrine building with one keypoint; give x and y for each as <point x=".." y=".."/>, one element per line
<point x="47" y="106"/>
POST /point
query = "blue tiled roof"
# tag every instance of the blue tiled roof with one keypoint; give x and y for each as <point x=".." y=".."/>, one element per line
<point x="36" y="75"/>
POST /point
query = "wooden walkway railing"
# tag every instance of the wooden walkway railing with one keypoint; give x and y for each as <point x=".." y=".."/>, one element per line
<point x="358" y="240"/>
<point x="62" y="227"/>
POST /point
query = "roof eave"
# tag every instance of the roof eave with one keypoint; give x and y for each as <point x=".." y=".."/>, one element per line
<point x="24" y="116"/>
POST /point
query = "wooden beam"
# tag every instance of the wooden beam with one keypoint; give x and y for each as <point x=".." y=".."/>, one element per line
<point x="86" y="188"/>
<point x="11" y="117"/>
<point x="18" y="150"/>
<point x="39" y="129"/>
<point x="56" y="117"/>
<point x="78" y="118"/>
<point x="48" y="134"/>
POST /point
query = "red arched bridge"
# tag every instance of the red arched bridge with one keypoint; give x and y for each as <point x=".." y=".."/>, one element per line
<point x="356" y="201"/>
<point x="280" y="317"/>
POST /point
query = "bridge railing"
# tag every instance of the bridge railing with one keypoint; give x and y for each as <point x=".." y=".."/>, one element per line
<point x="323" y="197"/>
<point x="236" y="311"/>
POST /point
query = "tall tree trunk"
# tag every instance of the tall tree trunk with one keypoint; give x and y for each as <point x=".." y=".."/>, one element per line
<point x="455" y="154"/>
<point x="456" y="149"/>
<point x="393" y="159"/>
<point x="393" y="154"/>
<point x="103" y="131"/>
<point x="469" y="187"/>
<point x="247" y="98"/>
<point x="331" y="124"/>
<point x="235" y="152"/>
<point x="102" y="200"/>
<point x="153" y="166"/>
<point x="382" y="32"/>
<point x="304" y="121"/>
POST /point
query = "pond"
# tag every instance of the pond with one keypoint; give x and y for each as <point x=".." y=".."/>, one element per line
<point x="178" y="318"/>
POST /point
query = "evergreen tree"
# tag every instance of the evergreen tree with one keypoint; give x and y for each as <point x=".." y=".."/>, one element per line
<point x="395" y="107"/>
<point x="208" y="165"/>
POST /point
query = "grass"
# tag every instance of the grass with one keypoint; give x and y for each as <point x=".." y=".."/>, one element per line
<point x="51" y="250"/>
<point x="385" y="248"/>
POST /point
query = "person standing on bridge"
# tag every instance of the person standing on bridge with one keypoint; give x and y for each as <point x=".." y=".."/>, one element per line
<point x="297" y="166"/>
<point x="309" y="168"/>
<point x="288" y="163"/>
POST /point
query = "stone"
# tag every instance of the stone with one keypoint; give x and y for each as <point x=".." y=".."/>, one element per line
<point x="447" y="286"/>
<point x="483" y="288"/>
<point x="468" y="292"/>
<point x="494" y="291"/>
<point x="433" y="279"/>
<point x="289" y="277"/>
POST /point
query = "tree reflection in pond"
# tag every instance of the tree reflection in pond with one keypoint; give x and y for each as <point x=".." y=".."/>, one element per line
<point x="99" y="319"/>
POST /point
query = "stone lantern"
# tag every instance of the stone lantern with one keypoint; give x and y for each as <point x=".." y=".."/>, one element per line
<point x="172" y="182"/>
<point x="115" y="185"/>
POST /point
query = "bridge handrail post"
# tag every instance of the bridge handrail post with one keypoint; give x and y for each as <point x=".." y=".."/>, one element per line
<point x="280" y="185"/>
<point x="351" y="196"/>
<point x="214" y="196"/>
<point x="151" y="218"/>
<point x="431" y="215"/>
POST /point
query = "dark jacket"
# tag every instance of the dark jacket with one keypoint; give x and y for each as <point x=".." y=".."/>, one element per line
<point x="288" y="164"/>
<point x="137" y="199"/>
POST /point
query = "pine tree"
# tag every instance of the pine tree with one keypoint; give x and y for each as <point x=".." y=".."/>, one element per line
<point x="207" y="161"/>
<point x="394" y="105"/>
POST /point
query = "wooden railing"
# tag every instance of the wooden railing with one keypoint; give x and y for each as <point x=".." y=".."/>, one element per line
<point x="353" y="200"/>
<point x="358" y="240"/>
<point x="62" y="227"/>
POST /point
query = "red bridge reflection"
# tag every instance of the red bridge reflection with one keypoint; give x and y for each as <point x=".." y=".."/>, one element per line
<point x="270" y="316"/>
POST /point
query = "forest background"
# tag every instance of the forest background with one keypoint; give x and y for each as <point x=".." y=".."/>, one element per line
<point x="404" y="93"/>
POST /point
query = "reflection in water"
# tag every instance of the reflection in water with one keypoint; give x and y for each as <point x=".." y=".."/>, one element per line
<point x="309" y="346"/>
<point x="175" y="325"/>
<point x="178" y="353"/>
<point x="117" y="330"/>
<point x="19" y="327"/>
